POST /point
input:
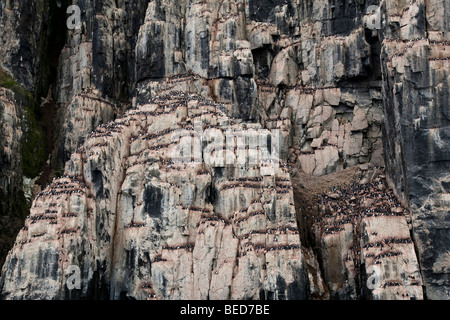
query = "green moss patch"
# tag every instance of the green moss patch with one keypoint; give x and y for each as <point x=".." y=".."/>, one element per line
<point x="33" y="144"/>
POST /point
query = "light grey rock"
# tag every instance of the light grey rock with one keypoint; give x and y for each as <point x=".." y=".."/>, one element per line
<point x="141" y="223"/>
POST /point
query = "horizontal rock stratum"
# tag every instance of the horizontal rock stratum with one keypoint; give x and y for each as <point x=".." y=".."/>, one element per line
<point x="141" y="224"/>
<point x="273" y="149"/>
<point x="142" y="217"/>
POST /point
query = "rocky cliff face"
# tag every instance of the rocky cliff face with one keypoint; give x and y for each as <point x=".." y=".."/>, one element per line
<point x="161" y="227"/>
<point x="416" y="103"/>
<point x="11" y="185"/>
<point x="144" y="218"/>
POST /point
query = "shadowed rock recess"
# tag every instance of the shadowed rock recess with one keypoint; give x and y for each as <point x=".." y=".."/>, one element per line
<point x="331" y="181"/>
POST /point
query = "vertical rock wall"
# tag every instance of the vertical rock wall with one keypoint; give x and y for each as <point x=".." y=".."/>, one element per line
<point x="339" y="93"/>
<point x="12" y="201"/>
<point x="415" y="55"/>
<point x="141" y="224"/>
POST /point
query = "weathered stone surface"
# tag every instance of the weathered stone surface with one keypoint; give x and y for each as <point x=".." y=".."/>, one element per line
<point x="416" y="106"/>
<point x="363" y="236"/>
<point x="97" y="64"/>
<point x="11" y="135"/>
<point x="152" y="224"/>
<point x="11" y="194"/>
<point x="337" y="93"/>
<point x="225" y="51"/>
<point x="20" y="45"/>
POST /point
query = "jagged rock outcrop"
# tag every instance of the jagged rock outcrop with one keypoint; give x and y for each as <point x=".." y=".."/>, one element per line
<point x="266" y="68"/>
<point x="141" y="224"/>
<point x="317" y="77"/>
<point x="271" y="68"/>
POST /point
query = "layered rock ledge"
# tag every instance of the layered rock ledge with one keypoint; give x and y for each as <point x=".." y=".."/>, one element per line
<point x="142" y="224"/>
